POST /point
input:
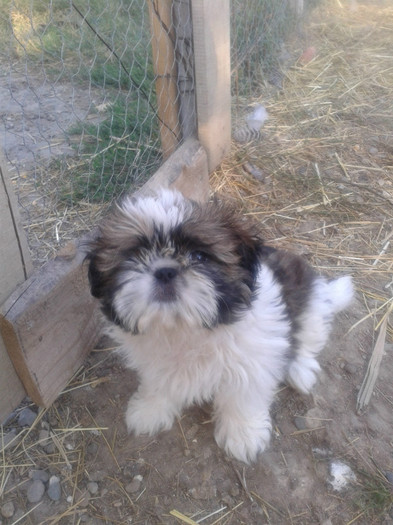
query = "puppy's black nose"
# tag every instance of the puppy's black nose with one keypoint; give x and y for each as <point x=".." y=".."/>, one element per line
<point x="165" y="275"/>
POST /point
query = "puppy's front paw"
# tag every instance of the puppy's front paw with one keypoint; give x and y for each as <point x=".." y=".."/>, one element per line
<point x="148" y="415"/>
<point x="243" y="439"/>
<point x="302" y="374"/>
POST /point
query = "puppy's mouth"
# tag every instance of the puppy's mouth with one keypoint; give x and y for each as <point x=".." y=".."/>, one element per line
<point x="165" y="285"/>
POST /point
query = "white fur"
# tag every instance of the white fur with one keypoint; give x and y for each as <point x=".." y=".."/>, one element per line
<point x="237" y="366"/>
<point x="327" y="298"/>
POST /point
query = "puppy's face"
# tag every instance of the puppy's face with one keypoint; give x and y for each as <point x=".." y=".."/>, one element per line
<point x="167" y="260"/>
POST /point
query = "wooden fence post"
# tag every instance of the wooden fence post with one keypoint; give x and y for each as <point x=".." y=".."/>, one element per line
<point x="184" y="52"/>
<point x="165" y="70"/>
<point x="15" y="266"/>
<point x="211" y="35"/>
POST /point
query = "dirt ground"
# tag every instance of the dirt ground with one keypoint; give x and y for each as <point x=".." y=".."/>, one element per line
<point x="325" y="160"/>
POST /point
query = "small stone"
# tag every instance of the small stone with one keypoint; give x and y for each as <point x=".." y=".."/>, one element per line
<point x="389" y="477"/>
<point x="54" y="488"/>
<point x="321" y="453"/>
<point x="8" y="509"/>
<point x="135" y="484"/>
<point x="341" y="475"/>
<point x="92" y="487"/>
<point x="92" y="448"/>
<point x="373" y="150"/>
<point x="350" y="369"/>
<point x="9" y="440"/>
<point x="300" y="423"/>
<point x="50" y="449"/>
<point x="43" y="438"/>
<point x="26" y="417"/>
<point x="42" y="475"/>
<point x="98" y="475"/>
<point x="35" y="491"/>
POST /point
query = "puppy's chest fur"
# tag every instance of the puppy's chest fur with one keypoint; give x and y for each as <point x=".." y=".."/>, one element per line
<point x="200" y="359"/>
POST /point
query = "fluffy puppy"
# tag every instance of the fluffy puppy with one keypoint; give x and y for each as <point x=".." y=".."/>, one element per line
<point x="205" y="311"/>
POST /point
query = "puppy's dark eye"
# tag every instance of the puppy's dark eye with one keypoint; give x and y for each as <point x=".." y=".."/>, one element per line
<point x="198" y="257"/>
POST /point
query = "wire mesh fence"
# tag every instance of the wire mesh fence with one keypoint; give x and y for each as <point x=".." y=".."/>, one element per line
<point x="95" y="94"/>
<point x="80" y="118"/>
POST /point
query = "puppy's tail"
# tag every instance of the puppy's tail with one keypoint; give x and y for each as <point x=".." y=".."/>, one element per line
<point x="341" y="292"/>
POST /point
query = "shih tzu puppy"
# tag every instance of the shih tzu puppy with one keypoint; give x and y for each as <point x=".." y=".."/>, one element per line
<point x="203" y="310"/>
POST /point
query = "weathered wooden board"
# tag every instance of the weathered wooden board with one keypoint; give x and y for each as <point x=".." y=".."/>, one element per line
<point x="51" y="321"/>
<point x="211" y="28"/>
<point x="165" y="71"/>
<point x="186" y="170"/>
<point x="15" y="266"/>
<point x="49" y="324"/>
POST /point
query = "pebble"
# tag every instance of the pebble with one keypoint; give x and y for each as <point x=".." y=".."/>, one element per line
<point x="92" y="487"/>
<point x="350" y="368"/>
<point x="43" y="438"/>
<point x="8" y="509"/>
<point x="341" y="475"/>
<point x="35" y="491"/>
<point x="26" y="417"/>
<point x="135" y="484"/>
<point x="389" y="477"/>
<point x="50" y="449"/>
<point x="9" y="438"/>
<point x="99" y="475"/>
<point x="42" y="475"/>
<point x="321" y="453"/>
<point x="54" y="488"/>
<point x="300" y="422"/>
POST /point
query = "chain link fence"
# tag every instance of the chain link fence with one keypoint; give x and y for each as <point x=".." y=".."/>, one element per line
<point x="87" y="105"/>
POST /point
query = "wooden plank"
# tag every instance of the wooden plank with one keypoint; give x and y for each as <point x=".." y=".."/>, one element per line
<point x="51" y="321"/>
<point x="184" y="52"/>
<point x="49" y="324"/>
<point x="211" y="26"/>
<point x="186" y="170"/>
<point x="165" y="70"/>
<point x="15" y="266"/>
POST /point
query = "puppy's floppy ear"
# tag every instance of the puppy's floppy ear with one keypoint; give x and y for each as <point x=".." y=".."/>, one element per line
<point x="102" y="287"/>
<point x="94" y="275"/>
<point x="250" y="244"/>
